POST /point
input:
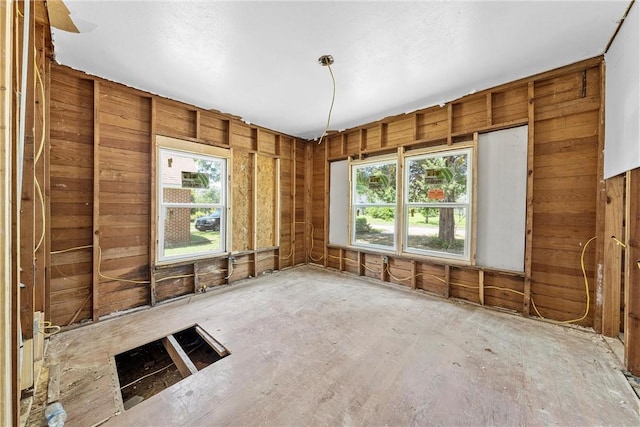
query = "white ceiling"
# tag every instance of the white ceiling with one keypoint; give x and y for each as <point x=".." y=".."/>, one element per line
<point x="259" y="59"/>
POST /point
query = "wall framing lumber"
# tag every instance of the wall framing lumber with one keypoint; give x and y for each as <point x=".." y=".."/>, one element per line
<point x="613" y="229"/>
<point x="39" y="169"/>
<point x="95" y="283"/>
<point x="254" y="215"/>
<point x="447" y="281"/>
<point x="153" y="247"/>
<point x="8" y="344"/>
<point x="601" y="198"/>
<point x="27" y="239"/>
<point x="213" y="343"/>
<point x="46" y="178"/>
<point x="325" y="224"/>
<point x="179" y="357"/>
<point x="308" y="198"/>
<point x="632" y="273"/>
<point x="120" y="124"/>
<point x="528" y="245"/>
<point x="474" y="204"/>
<point x="562" y="109"/>
<point x="27" y="206"/>
<point x="292" y="254"/>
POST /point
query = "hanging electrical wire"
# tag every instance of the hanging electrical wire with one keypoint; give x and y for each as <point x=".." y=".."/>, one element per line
<point x="326" y="61"/>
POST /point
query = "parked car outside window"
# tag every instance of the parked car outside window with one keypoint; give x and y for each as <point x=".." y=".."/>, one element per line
<point x="209" y="222"/>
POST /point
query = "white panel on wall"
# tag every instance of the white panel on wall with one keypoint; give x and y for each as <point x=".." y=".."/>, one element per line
<point x="339" y="203"/>
<point x="622" y="125"/>
<point x="502" y="199"/>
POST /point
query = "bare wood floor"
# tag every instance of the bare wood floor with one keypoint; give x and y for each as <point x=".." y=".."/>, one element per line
<point x="314" y="347"/>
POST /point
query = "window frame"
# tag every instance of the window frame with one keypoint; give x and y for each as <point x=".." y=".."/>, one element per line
<point x="353" y="166"/>
<point x="468" y="205"/>
<point x="196" y="151"/>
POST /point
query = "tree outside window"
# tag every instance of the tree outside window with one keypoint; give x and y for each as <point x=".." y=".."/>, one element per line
<point x="374" y="204"/>
<point x="437" y="203"/>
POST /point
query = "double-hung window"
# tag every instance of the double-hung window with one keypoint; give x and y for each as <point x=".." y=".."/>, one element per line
<point x="374" y="204"/>
<point x="191" y="198"/>
<point x="437" y="203"/>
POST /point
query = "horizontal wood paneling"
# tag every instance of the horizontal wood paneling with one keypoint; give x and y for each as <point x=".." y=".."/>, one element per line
<point x="565" y="108"/>
<point x="509" y="105"/>
<point x="174" y="120"/>
<point x="469" y="115"/>
<point x="431" y="278"/>
<point x="565" y="189"/>
<point x="71" y="195"/>
<point x="126" y="121"/>
<point x="124" y="164"/>
<point x="433" y="123"/>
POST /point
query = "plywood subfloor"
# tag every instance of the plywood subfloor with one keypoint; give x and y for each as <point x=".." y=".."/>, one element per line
<point x="314" y="347"/>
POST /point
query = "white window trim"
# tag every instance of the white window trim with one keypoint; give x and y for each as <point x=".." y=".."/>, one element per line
<point x="164" y="143"/>
<point x="406" y="206"/>
<point x="352" y="206"/>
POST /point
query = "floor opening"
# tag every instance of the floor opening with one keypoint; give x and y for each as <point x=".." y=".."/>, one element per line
<point x="147" y="370"/>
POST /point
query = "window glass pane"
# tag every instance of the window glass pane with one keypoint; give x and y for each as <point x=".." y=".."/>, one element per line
<point x="375" y="183"/>
<point x="190" y="231"/>
<point x="187" y="179"/>
<point x="437" y="229"/>
<point x="438" y="179"/>
<point x="375" y="226"/>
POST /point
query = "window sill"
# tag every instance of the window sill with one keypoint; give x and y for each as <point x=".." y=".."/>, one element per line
<point x="159" y="265"/>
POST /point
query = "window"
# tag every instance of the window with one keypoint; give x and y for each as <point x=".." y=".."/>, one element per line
<point x="373" y="216"/>
<point x="432" y="202"/>
<point x="191" y="204"/>
<point x="437" y="201"/>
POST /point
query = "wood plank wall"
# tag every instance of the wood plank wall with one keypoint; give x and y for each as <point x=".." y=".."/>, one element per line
<point x="562" y="109"/>
<point x="101" y="171"/>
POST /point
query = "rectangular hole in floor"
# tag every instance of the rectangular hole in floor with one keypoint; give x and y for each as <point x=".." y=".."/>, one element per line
<point x="152" y="367"/>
